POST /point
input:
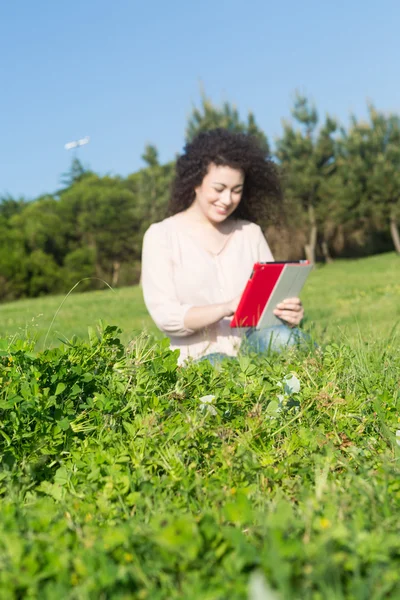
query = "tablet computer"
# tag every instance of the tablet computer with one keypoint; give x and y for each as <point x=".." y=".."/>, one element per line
<point x="269" y="284"/>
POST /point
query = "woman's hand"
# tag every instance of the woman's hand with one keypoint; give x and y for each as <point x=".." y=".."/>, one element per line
<point x="231" y="306"/>
<point x="198" y="317"/>
<point x="290" y="310"/>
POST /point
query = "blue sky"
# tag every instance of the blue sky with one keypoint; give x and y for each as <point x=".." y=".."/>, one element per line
<point x="127" y="73"/>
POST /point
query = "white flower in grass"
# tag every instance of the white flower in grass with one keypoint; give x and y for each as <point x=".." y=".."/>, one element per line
<point x="281" y="400"/>
<point x="291" y="384"/>
<point x="398" y="437"/>
<point x="259" y="588"/>
<point x="206" y="404"/>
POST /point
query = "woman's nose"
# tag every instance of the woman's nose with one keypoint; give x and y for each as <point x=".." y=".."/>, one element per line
<point x="226" y="197"/>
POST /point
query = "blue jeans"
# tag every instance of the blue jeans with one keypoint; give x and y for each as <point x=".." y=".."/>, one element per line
<point x="270" y="339"/>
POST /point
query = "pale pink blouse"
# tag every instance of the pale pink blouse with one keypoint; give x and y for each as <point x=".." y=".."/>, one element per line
<point x="178" y="273"/>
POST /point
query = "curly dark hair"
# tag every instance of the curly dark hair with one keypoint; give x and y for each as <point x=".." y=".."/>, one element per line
<point x="261" y="198"/>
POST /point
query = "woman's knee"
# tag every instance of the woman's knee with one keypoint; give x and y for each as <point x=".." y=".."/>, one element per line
<point x="273" y="338"/>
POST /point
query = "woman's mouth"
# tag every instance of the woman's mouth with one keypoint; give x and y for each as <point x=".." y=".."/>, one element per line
<point x="221" y="211"/>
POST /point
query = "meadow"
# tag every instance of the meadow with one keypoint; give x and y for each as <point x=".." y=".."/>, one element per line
<point x="270" y="477"/>
<point x="345" y="298"/>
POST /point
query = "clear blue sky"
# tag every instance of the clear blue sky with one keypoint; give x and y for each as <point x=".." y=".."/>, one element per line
<point x="128" y="73"/>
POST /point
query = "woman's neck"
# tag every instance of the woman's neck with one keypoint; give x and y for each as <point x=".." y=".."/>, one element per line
<point x="197" y="217"/>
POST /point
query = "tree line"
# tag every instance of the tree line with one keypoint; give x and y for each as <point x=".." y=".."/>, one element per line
<point x="341" y="199"/>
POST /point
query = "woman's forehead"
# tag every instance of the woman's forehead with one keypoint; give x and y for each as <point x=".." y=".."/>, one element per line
<point x="224" y="174"/>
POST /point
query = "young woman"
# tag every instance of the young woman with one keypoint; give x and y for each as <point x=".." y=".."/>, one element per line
<point x="196" y="263"/>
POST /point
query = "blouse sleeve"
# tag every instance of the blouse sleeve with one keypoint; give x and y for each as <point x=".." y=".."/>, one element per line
<point x="158" y="285"/>
<point x="264" y="253"/>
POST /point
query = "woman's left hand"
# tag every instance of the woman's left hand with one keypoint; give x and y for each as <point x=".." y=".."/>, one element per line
<point x="290" y="310"/>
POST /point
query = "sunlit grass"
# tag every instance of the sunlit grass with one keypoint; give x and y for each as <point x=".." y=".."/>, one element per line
<point x="123" y="307"/>
<point x="124" y="474"/>
<point x="355" y="297"/>
<point x="345" y="300"/>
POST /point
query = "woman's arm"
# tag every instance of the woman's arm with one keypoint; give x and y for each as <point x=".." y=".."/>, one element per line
<point x="158" y="286"/>
<point x="172" y="317"/>
<point x="198" y="317"/>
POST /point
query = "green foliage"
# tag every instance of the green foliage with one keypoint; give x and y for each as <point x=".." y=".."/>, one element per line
<point x="151" y="188"/>
<point x="342" y="191"/>
<point x="103" y="218"/>
<point x="80" y="264"/>
<point x="307" y="157"/>
<point x="150" y="156"/>
<point x="44" y="275"/>
<point x="115" y="483"/>
<point x="10" y="207"/>
<point x="227" y="116"/>
<point x="76" y="173"/>
<point x="369" y="173"/>
<point x="14" y="276"/>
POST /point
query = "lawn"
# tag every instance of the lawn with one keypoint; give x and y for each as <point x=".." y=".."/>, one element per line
<point x="343" y="300"/>
<point x="272" y="477"/>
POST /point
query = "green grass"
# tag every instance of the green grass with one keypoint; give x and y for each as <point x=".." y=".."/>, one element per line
<point x="125" y="476"/>
<point x="343" y="299"/>
<point x="355" y="296"/>
<point x="123" y="307"/>
<point x="118" y="479"/>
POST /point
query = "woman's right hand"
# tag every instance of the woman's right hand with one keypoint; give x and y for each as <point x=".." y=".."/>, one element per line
<point x="231" y="306"/>
<point x="198" y="317"/>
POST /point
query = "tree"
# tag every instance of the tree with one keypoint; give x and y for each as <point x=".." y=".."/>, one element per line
<point x="369" y="167"/>
<point x="77" y="172"/>
<point x="102" y="216"/>
<point x="307" y="157"/>
<point x="13" y="263"/>
<point x="43" y="274"/>
<point x="151" y="188"/>
<point x="150" y="156"/>
<point x="10" y="206"/>
<point x="80" y="264"/>
<point x="32" y="249"/>
<point x="42" y="227"/>
<point x="384" y="180"/>
<point x="209" y="116"/>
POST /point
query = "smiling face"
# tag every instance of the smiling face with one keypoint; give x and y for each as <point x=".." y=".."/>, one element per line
<point x="219" y="194"/>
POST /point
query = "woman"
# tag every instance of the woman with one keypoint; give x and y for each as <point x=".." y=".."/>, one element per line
<point x="196" y="263"/>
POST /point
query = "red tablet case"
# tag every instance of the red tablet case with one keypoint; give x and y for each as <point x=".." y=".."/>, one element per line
<point x="269" y="284"/>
